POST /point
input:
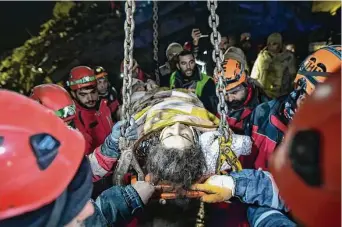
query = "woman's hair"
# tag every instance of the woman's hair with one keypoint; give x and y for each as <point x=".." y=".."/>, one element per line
<point x="180" y="168"/>
<point x="143" y="148"/>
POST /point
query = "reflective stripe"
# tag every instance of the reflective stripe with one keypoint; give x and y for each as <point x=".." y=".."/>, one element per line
<point x="96" y="168"/>
<point x="83" y="80"/>
<point x="275" y="196"/>
<point x="265" y="215"/>
<point x="333" y="49"/>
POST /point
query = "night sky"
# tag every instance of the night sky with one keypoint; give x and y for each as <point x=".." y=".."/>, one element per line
<point x="18" y="19"/>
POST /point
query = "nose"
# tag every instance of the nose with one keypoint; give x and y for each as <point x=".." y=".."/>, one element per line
<point x="176" y="128"/>
<point x="89" y="97"/>
<point x="230" y="98"/>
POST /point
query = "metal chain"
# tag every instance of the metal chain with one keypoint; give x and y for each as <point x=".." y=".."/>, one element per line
<point x="124" y="145"/>
<point x="155" y="40"/>
<point x="128" y="59"/>
<point x="217" y="56"/>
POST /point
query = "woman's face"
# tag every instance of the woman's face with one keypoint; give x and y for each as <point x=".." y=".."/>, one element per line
<point x="177" y="136"/>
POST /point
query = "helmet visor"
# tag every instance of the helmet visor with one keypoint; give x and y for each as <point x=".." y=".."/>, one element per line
<point x="66" y="112"/>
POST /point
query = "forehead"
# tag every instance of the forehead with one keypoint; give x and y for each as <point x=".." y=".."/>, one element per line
<point x="181" y="127"/>
<point x="103" y="79"/>
<point x="86" y="90"/>
<point x="188" y="57"/>
<point x="236" y="89"/>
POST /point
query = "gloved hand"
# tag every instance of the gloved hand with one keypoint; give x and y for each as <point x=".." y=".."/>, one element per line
<point x="218" y="188"/>
<point x="110" y="147"/>
<point x="144" y="189"/>
<point x="150" y="85"/>
<point x="130" y="133"/>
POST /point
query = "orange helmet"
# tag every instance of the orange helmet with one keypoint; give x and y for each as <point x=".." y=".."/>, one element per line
<point x="100" y="72"/>
<point x="307" y="166"/>
<point x="234" y="73"/>
<point x="35" y="153"/>
<point x="317" y="66"/>
<point x="55" y="98"/>
<point x="81" y="76"/>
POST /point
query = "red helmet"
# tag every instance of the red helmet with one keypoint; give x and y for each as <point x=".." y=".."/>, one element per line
<point x="187" y="46"/>
<point x="55" y="98"/>
<point x="307" y="166"/>
<point x="39" y="155"/>
<point x="81" y="76"/>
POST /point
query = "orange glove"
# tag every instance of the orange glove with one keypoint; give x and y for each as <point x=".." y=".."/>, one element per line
<point x="218" y="188"/>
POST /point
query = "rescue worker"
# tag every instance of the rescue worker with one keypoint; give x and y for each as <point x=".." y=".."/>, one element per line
<point x="45" y="178"/>
<point x="242" y="93"/>
<point x="275" y="68"/>
<point x="93" y="116"/>
<point x="305" y="166"/>
<point x="106" y="91"/>
<point x="248" y="49"/>
<point x="204" y="57"/>
<point x="188" y="76"/>
<point x="310" y="158"/>
<point x="269" y="120"/>
<point x="104" y="157"/>
<point x="170" y="66"/>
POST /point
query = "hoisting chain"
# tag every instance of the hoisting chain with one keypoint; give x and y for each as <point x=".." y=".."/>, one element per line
<point x="155" y="40"/>
<point x="126" y="151"/>
<point x="128" y="59"/>
<point x="128" y="158"/>
<point x="217" y="56"/>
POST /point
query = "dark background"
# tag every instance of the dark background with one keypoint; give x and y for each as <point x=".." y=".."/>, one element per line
<point x="18" y="19"/>
<point x="22" y="20"/>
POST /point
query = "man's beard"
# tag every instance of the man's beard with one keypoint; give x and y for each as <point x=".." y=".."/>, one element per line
<point x="103" y="93"/>
<point x="235" y="104"/>
<point x="86" y="105"/>
<point x="188" y="70"/>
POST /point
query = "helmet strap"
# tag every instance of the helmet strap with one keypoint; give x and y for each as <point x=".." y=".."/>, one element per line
<point x="57" y="210"/>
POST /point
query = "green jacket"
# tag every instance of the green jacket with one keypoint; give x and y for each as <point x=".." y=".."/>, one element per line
<point x="199" y="85"/>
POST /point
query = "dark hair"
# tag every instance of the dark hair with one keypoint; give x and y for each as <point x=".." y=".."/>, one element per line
<point x="180" y="168"/>
<point x="231" y="36"/>
<point x="184" y="53"/>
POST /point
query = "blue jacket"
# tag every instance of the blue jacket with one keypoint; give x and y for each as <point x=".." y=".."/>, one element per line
<point x="258" y="189"/>
<point x="115" y="206"/>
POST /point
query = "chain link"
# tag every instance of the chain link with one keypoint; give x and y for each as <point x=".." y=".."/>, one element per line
<point x="128" y="59"/>
<point x="217" y="56"/>
<point x="155" y="39"/>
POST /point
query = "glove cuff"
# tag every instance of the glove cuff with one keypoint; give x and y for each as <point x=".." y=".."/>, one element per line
<point x="222" y="181"/>
<point x="110" y="147"/>
<point x="229" y="182"/>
